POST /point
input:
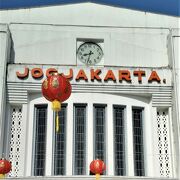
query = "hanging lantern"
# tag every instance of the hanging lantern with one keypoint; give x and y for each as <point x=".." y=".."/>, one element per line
<point x="97" y="167"/>
<point x="5" y="167"/>
<point x="56" y="88"/>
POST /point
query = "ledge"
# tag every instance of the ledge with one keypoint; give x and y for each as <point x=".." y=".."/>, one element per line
<point x="90" y="178"/>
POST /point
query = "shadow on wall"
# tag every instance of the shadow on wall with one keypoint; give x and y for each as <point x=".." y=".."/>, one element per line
<point x="12" y="52"/>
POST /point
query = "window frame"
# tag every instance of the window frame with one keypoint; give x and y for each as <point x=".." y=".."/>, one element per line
<point x="90" y="102"/>
<point x="64" y="105"/>
<point x="105" y="131"/>
<point x="123" y="107"/>
<point x="34" y="135"/>
<point x="85" y="105"/>
<point x="142" y="140"/>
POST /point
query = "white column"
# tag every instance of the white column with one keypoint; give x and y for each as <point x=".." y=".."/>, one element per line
<point x="155" y="150"/>
<point x="69" y="139"/>
<point x="7" y="129"/>
<point x="90" y="134"/>
<point x="26" y="111"/>
<point x="176" y="99"/>
<point x="129" y="142"/>
<point x="110" y="142"/>
<point x="148" y="141"/>
<point x="23" y="140"/>
<point x="172" y="155"/>
<point x="29" y="140"/>
<point x="4" y="49"/>
<point x="49" y="137"/>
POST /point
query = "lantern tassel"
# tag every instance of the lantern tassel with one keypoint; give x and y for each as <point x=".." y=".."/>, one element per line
<point x="57" y="123"/>
<point x="2" y="176"/>
<point x="56" y="106"/>
<point x="97" y="176"/>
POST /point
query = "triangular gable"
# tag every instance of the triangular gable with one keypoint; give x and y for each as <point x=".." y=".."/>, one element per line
<point x="169" y="7"/>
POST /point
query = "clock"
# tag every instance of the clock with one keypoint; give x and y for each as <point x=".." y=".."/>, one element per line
<point x="89" y="53"/>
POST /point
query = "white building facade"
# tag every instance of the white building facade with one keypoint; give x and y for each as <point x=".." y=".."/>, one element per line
<point x="124" y="107"/>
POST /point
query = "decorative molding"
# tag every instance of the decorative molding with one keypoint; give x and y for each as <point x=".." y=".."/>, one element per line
<point x="164" y="144"/>
<point x="15" y="140"/>
<point x="17" y="93"/>
<point x="91" y="178"/>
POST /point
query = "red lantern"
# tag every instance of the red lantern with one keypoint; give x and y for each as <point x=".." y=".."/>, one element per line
<point x="97" y="167"/>
<point x="5" y="167"/>
<point x="56" y="88"/>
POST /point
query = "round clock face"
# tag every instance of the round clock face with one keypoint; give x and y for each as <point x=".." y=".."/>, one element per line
<point x="90" y="53"/>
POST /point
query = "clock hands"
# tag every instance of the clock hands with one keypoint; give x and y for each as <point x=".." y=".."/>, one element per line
<point x="89" y="54"/>
<point x="85" y="54"/>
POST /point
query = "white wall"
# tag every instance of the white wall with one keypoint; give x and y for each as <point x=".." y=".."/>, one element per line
<point x="176" y="41"/>
<point x="48" y="35"/>
<point x="4" y="49"/>
<point x="176" y="78"/>
<point x="90" y="14"/>
<point x="49" y="44"/>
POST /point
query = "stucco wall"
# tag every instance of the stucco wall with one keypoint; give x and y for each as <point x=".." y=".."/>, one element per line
<point x="4" y="51"/>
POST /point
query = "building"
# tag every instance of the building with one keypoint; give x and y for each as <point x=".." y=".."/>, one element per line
<point x="124" y="106"/>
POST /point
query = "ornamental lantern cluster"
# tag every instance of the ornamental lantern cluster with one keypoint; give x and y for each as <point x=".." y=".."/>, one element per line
<point x="97" y="167"/>
<point x="5" y="167"/>
<point x="56" y="88"/>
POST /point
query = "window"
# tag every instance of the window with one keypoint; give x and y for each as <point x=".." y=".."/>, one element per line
<point x="138" y="142"/>
<point x="99" y="132"/>
<point x="119" y="144"/>
<point x="60" y="144"/>
<point x="104" y="127"/>
<point x="79" y="139"/>
<point x="40" y="140"/>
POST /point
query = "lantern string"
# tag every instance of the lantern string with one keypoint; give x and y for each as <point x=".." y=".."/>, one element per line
<point x="57" y="122"/>
<point x="97" y="176"/>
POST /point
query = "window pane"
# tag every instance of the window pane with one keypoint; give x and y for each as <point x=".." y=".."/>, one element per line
<point x="40" y="140"/>
<point x="60" y="144"/>
<point x="119" y="155"/>
<point x="99" y="135"/>
<point x="80" y="140"/>
<point x="138" y="142"/>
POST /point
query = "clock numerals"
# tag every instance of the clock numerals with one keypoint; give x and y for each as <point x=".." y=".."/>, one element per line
<point x="90" y="53"/>
<point x="89" y="62"/>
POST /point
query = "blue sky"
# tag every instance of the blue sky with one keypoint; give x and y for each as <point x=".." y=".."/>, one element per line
<point x="169" y="7"/>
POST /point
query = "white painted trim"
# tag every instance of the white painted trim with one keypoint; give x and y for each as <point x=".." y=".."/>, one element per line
<point x="110" y="142"/>
<point x="171" y="144"/>
<point x="90" y="144"/>
<point x="148" y="141"/>
<point x="49" y="143"/>
<point x="69" y="139"/>
<point x="129" y="141"/>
